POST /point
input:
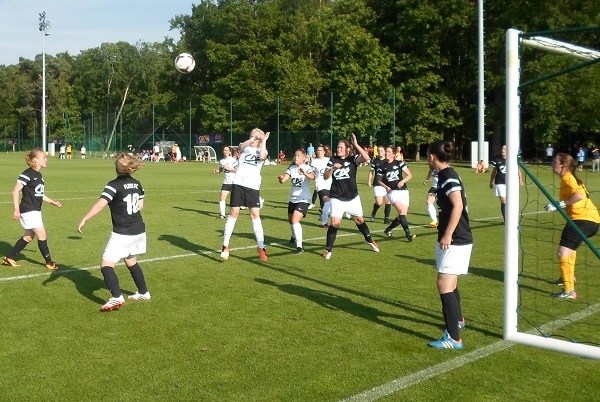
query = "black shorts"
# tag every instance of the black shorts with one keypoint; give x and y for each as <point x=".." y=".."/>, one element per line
<point x="244" y="197"/>
<point x="432" y="190"/>
<point x="323" y="193"/>
<point x="571" y="239"/>
<point x="298" y="206"/>
<point x="226" y="187"/>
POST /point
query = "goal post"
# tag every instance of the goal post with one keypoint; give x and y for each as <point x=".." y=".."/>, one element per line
<point x="514" y="40"/>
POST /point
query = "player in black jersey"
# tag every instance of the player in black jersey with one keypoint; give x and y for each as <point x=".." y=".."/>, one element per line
<point x="125" y="197"/>
<point x="29" y="209"/>
<point x="343" y="195"/>
<point x="455" y="242"/>
<point x="379" y="192"/>
<point x="498" y="179"/>
<point x="389" y="176"/>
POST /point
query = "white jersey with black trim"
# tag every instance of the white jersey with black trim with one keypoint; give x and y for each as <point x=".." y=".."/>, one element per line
<point x="300" y="191"/>
<point x="231" y="162"/>
<point x="319" y="166"/>
<point x="249" y="167"/>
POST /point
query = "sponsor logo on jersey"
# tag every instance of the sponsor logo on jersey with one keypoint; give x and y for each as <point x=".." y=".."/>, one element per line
<point x="39" y="190"/>
<point x="252" y="159"/>
<point x="342" y="173"/>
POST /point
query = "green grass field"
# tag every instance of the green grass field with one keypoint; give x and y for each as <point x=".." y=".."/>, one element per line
<point x="296" y="328"/>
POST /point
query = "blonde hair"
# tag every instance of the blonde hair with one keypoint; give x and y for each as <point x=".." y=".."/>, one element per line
<point x="31" y="155"/>
<point x="127" y="164"/>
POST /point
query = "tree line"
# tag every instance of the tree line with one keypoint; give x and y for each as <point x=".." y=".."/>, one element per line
<point x="390" y="70"/>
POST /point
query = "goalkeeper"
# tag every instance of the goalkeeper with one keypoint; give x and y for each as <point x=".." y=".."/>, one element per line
<point x="575" y="199"/>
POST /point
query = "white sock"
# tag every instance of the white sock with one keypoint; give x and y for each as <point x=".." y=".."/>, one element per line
<point x="222" y="207"/>
<point x="297" y="230"/>
<point x="258" y="232"/>
<point x="432" y="212"/>
<point x="325" y="213"/>
<point x="292" y="230"/>
<point x="229" y="225"/>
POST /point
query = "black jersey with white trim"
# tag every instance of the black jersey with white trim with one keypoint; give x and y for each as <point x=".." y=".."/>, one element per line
<point x="448" y="182"/>
<point x="33" y="190"/>
<point x="391" y="174"/>
<point x="375" y="165"/>
<point x="500" y="165"/>
<point x="343" y="185"/>
<point x="123" y="195"/>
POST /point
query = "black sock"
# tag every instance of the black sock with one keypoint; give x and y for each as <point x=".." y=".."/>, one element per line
<point x="314" y="197"/>
<point x="364" y="229"/>
<point x="43" y="245"/>
<point x="375" y="209"/>
<point x="17" y="248"/>
<point x="457" y="295"/>
<point x="138" y="277"/>
<point x="451" y="308"/>
<point x="404" y="223"/>
<point x="395" y="223"/>
<point x="503" y="209"/>
<point x="112" y="281"/>
<point x="387" y="210"/>
<point x="331" y="235"/>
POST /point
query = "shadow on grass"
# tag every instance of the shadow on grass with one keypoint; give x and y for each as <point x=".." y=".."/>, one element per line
<point x="85" y="283"/>
<point x="335" y="302"/>
<point x="185" y="244"/>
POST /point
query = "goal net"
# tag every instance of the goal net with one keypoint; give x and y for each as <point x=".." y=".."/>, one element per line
<point x="532" y="316"/>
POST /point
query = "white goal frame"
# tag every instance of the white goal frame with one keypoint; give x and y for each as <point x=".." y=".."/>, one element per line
<point x="514" y="40"/>
<point x="212" y="154"/>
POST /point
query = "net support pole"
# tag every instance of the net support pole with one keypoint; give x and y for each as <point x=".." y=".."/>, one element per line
<point x="511" y="258"/>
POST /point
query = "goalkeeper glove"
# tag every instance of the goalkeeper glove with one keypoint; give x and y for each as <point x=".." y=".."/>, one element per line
<point x="551" y="208"/>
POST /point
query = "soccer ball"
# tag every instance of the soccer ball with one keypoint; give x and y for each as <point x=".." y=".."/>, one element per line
<point x="185" y="63"/>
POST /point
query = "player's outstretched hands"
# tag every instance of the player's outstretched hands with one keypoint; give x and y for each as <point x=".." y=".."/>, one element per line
<point x="80" y="226"/>
<point x="551" y="208"/>
<point x="266" y="136"/>
<point x="353" y="139"/>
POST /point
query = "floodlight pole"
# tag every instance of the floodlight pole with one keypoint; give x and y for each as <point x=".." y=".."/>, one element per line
<point x="44" y="25"/>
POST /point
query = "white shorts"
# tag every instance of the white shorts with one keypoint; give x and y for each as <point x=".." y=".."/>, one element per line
<point x="379" y="191"/>
<point x="453" y="261"/>
<point x="352" y="207"/>
<point x="124" y="246"/>
<point x="399" y="195"/>
<point x="32" y="220"/>
<point x="500" y="190"/>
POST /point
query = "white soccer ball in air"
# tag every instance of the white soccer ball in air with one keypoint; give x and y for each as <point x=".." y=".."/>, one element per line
<point x="185" y="63"/>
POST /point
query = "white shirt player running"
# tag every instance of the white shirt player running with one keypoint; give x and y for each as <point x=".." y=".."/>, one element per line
<point x="300" y="190"/>
<point x="249" y="166"/>
<point x="232" y="163"/>
<point x="319" y="166"/>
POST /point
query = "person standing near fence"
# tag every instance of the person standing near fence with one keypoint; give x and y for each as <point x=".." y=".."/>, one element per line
<point x="498" y="179"/>
<point x="245" y="190"/>
<point x="575" y="199"/>
<point x="454" y="242"/>
<point x="344" y="196"/>
<point x="125" y="197"/>
<point x="228" y="165"/>
<point x="29" y="209"/>
<point x="322" y="185"/>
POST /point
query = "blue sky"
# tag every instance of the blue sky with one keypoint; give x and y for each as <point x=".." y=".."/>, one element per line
<point x="76" y="25"/>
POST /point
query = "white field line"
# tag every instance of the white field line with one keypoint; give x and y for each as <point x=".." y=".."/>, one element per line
<point x="418" y="377"/>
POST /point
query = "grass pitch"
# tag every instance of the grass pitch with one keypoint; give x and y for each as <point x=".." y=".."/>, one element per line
<point x="296" y="328"/>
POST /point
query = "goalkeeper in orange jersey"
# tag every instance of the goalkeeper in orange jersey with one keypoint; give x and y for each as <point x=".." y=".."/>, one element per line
<point x="575" y="199"/>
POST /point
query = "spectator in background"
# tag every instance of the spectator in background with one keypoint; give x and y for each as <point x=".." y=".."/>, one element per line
<point x="62" y="152"/>
<point x="83" y="151"/>
<point x="596" y="160"/>
<point x="281" y="157"/>
<point x="480" y="167"/>
<point x="399" y="154"/>
<point x="310" y="152"/>
<point x="156" y="152"/>
<point x="580" y="159"/>
<point x="549" y="154"/>
<point x="69" y="151"/>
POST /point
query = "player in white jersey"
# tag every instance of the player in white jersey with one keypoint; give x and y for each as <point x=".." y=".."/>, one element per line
<point x="245" y="190"/>
<point x="379" y="192"/>
<point x="433" y="175"/>
<point x="322" y="185"/>
<point x="301" y="174"/>
<point x="229" y="165"/>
